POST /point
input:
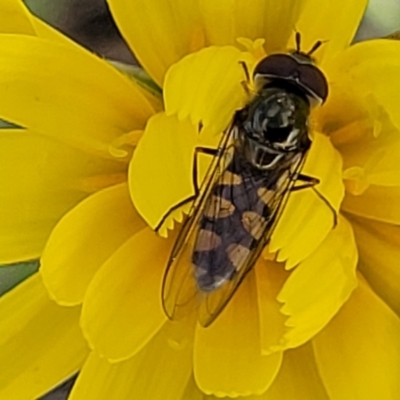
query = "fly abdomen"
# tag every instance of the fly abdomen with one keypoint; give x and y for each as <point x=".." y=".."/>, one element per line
<point x="233" y="221"/>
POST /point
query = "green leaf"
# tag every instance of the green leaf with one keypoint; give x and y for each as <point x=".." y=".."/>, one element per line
<point x="139" y="75"/>
<point x="11" y="275"/>
<point x="7" y="125"/>
<point x="49" y="10"/>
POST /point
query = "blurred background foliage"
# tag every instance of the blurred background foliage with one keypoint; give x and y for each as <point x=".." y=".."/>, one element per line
<point x="89" y="22"/>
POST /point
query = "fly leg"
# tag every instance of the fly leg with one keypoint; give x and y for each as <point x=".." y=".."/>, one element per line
<point x="198" y="150"/>
<point x="246" y="82"/>
<point x="201" y="150"/>
<point x="306" y="182"/>
<point x="246" y="71"/>
<point x="311" y="182"/>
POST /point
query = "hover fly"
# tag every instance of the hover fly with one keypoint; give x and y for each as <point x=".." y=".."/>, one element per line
<point x="258" y="162"/>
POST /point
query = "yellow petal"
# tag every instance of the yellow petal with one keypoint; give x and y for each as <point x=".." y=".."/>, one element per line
<point x="270" y="277"/>
<point x="358" y="353"/>
<point x="371" y="163"/>
<point x="192" y="392"/>
<point x="15" y="18"/>
<point x="319" y="286"/>
<point x="161" y="170"/>
<point x="159" y="33"/>
<point x="206" y="87"/>
<point x="227" y="355"/>
<point x="378" y="203"/>
<point x="307" y="219"/>
<point x="363" y="123"/>
<point x="59" y="91"/>
<point x="125" y="297"/>
<point x="298" y="378"/>
<point x="41" y="343"/>
<point x="40" y="181"/>
<point x="371" y="68"/>
<point x="159" y="371"/>
<point x="333" y="22"/>
<point x="227" y="20"/>
<point x="87" y="235"/>
<point x="379" y="249"/>
<point x="368" y="142"/>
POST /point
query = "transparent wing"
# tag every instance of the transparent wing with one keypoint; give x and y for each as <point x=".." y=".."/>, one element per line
<point x="258" y="205"/>
<point x="180" y="292"/>
<point x="229" y="224"/>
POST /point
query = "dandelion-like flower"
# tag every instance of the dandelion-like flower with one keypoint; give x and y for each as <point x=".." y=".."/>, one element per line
<point x="99" y="162"/>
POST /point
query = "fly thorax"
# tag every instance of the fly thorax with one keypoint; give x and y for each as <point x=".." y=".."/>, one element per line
<point x="273" y="125"/>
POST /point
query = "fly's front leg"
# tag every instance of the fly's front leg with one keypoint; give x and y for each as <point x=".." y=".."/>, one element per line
<point x="310" y="182"/>
<point x="246" y="83"/>
<point x="201" y="150"/>
<point x="198" y="150"/>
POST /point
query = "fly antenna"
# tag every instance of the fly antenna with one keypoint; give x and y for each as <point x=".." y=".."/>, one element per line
<point x="316" y="46"/>
<point x="298" y="42"/>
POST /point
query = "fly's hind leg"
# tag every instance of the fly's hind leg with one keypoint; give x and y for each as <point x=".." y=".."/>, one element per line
<point x="311" y="182"/>
<point x="198" y="150"/>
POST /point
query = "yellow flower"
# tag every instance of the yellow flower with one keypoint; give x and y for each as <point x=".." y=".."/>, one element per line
<point x="100" y="161"/>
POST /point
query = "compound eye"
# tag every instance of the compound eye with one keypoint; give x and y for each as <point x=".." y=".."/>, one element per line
<point x="314" y="80"/>
<point x="276" y="65"/>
